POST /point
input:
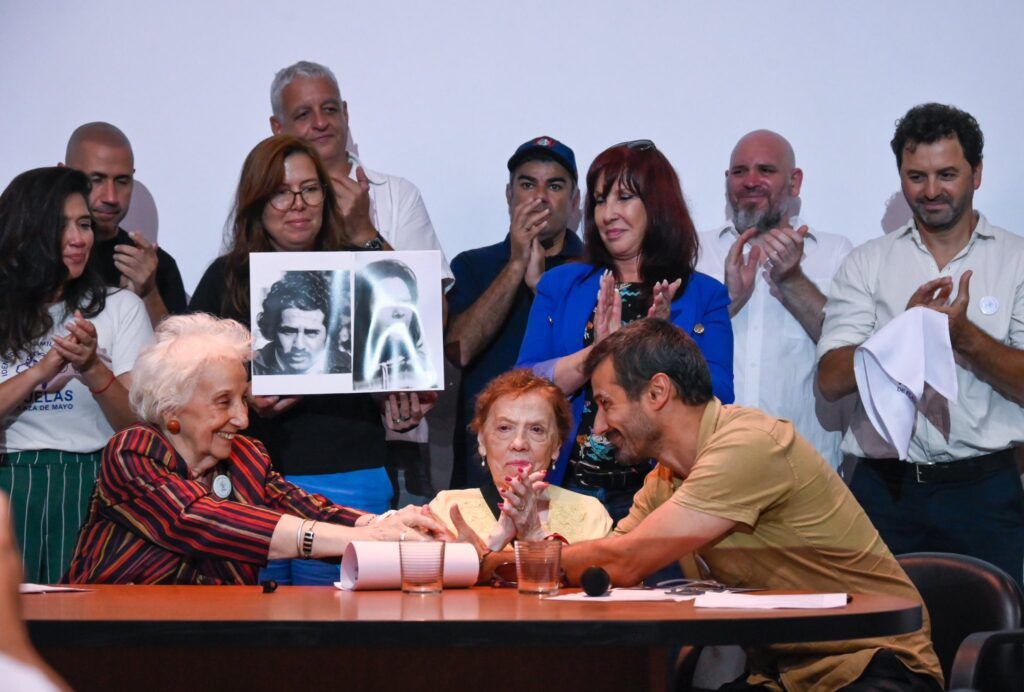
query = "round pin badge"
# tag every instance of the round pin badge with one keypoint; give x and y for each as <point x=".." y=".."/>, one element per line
<point x="222" y="486"/>
<point x="989" y="305"/>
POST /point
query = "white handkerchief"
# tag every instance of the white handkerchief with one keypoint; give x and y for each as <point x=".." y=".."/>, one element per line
<point x="893" y="366"/>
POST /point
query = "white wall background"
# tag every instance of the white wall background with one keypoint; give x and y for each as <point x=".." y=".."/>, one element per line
<point x="442" y="93"/>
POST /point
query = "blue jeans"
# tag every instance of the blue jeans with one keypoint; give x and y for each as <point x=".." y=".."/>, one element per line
<point x="368" y="490"/>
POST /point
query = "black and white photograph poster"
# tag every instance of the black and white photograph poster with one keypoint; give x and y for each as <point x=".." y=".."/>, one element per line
<point x="336" y="322"/>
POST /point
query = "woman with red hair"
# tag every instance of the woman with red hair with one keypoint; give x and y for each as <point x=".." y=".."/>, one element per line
<point x="641" y="249"/>
<point x="520" y="422"/>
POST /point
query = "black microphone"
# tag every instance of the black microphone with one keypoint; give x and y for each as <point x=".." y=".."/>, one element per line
<point x="595" y="581"/>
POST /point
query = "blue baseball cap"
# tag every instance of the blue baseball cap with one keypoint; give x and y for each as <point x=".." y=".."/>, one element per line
<point x="549" y="147"/>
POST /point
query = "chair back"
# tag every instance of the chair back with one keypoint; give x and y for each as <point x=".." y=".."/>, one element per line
<point x="963" y="595"/>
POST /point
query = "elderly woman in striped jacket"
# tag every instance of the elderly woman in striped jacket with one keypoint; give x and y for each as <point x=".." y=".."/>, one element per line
<point x="185" y="498"/>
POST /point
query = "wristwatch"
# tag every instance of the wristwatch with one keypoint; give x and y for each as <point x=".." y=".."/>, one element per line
<point x="375" y="243"/>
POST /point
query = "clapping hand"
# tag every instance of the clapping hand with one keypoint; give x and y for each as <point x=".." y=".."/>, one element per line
<point x="79" y="346"/>
<point x="522" y="497"/>
<point x="661" y="299"/>
<point x="137" y="264"/>
<point x="608" y="316"/>
<point x="741" y="273"/>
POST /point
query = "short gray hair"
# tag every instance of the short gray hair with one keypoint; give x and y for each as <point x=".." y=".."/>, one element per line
<point x="300" y="70"/>
<point x="165" y="374"/>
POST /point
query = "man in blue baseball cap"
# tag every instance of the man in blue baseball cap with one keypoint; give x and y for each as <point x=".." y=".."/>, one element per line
<point x="494" y="285"/>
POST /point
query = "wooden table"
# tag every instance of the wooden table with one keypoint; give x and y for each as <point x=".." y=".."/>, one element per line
<point x="194" y="637"/>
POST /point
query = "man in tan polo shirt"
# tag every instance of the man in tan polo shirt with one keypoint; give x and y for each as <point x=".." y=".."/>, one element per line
<point x="749" y="496"/>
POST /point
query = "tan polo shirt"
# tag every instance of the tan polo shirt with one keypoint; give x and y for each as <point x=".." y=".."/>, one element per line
<point x="798" y="527"/>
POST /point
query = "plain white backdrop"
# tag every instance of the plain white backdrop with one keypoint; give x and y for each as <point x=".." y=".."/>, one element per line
<point x="442" y="93"/>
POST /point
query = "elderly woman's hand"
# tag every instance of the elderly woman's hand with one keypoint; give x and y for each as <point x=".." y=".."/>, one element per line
<point x="411" y="523"/>
<point x="608" y="316"/>
<point x="661" y="299"/>
<point x="522" y="497"/>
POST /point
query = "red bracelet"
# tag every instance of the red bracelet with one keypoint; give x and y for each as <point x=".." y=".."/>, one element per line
<point x="97" y="392"/>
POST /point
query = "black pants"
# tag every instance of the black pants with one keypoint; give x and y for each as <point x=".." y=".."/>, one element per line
<point x="983" y="518"/>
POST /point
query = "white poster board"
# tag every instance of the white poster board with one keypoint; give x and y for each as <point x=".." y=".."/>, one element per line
<point x="339" y="322"/>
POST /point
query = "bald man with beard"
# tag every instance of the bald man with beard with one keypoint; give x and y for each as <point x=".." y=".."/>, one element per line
<point x="124" y="259"/>
<point x="778" y="271"/>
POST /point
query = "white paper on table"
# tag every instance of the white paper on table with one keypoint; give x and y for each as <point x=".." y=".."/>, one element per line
<point x="369" y="565"/>
<point x="46" y="588"/>
<point x="621" y="595"/>
<point x="766" y="602"/>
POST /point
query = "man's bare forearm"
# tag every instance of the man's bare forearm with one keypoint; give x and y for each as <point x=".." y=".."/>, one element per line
<point x="835" y="373"/>
<point x="476" y="327"/>
<point x="805" y="302"/>
<point x="993" y="362"/>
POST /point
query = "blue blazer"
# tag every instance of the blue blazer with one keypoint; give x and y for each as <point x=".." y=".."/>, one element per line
<point x="566" y="298"/>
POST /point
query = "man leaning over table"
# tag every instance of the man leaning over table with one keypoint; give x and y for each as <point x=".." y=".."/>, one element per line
<point x="750" y="498"/>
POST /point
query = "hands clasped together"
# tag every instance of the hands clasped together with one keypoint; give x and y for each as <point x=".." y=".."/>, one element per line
<point x="777" y="253"/>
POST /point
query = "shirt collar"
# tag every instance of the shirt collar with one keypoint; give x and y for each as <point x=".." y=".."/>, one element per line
<point x="374" y="177"/>
<point x="708" y="425"/>
<point x="983" y="229"/>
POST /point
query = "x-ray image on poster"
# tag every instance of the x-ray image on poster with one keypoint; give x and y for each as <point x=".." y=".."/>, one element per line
<point x="335" y="322"/>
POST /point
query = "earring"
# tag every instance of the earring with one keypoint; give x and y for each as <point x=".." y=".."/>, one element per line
<point x="483" y="460"/>
<point x="173" y="426"/>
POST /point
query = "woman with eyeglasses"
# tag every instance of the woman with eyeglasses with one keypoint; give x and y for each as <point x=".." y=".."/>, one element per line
<point x="641" y="249"/>
<point x="331" y="444"/>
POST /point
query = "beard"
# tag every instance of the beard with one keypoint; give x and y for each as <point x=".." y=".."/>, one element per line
<point x="762" y="219"/>
<point x="640" y="445"/>
<point x="943" y="219"/>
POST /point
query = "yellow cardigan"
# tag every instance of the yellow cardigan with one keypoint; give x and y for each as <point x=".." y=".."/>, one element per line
<point x="574" y="516"/>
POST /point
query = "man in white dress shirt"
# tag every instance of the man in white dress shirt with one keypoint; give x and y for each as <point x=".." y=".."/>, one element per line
<point x="777" y="271"/>
<point x="959" y="491"/>
<point x="381" y="211"/>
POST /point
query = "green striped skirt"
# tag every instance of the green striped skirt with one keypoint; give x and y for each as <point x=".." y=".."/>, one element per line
<point x="50" y="493"/>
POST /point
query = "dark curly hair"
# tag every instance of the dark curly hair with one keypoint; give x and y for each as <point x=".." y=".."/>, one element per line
<point x="305" y="290"/>
<point x="32" y="271"/>
<point x="670" y="245"/>
<point x="930" y="122"/>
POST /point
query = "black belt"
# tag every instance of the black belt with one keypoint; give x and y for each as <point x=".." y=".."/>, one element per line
<point x="958" y="471"/>
<point x="626" y="479"/>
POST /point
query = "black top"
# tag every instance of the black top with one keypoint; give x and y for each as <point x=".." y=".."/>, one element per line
<point x="168" y="278"/>
<point x="475" y="270"/>
<point x="323" y="433"/>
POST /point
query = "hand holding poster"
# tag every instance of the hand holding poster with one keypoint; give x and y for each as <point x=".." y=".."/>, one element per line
<point x="336" y="322"/>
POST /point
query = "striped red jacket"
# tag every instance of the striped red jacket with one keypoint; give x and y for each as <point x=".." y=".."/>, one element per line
<point x="150" y="524"/>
